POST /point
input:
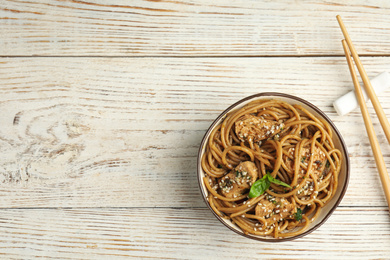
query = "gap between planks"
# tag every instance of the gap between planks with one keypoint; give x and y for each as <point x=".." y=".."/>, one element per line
<point x="191" y="56"/>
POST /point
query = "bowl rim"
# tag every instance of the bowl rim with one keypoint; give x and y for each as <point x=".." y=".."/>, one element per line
<point x="317" y="110"/>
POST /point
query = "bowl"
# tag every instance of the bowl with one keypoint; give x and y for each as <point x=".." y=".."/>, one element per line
<point x="338" y="141"/>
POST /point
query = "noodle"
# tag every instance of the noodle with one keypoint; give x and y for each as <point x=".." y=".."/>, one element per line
<point x="285" y="142"/>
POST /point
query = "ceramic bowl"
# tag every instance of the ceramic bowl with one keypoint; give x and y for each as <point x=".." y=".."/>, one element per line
<point x="338" y="142"/>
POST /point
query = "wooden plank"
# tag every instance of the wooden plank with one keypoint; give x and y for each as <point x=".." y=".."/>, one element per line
<point x="126" y="131"/>
<point x="185" y="28"/>
<point x="180" y="234"/>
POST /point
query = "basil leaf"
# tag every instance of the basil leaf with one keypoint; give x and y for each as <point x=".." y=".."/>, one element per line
<point x="298" y="215"/>
<point x="259" y="187"/>
<point x="273" y="180"/>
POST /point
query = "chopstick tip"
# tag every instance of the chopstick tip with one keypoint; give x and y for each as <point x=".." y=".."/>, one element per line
<point x="345" y="47"/>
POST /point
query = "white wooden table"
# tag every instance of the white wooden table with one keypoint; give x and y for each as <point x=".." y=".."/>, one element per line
<point x="103" y="105"/>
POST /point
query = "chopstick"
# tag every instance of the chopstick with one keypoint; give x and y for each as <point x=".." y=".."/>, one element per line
<point x="380" y="163"/>
<point x="367" y="84"/>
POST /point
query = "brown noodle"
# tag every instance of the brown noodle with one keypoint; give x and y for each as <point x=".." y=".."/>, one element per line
<point x="282" y="154"/>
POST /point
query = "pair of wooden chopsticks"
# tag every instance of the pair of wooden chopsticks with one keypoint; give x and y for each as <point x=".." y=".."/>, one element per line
<point x="380" y="163"/>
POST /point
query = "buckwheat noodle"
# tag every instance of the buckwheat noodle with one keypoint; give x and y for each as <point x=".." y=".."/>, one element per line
<point x="285" y="141"/>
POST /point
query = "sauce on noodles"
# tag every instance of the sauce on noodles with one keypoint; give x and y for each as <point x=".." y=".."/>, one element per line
<point x="282" y="140"/>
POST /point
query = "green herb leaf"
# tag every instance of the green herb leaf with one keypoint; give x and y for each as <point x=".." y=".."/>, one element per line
<point x="259" y="187"/>
<point x="327" y="164"/>
<point x="298" y="215"/>
<point x="273" y="180"/>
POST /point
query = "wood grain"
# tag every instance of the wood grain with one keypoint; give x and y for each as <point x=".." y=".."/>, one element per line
<point x="179" y="234"/>
<point x="185" y="28"/>
<point x="103" y="105"/>
<point x="125" y="131"/>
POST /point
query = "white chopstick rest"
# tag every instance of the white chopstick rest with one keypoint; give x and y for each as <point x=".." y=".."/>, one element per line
<point x="348" y="102"/>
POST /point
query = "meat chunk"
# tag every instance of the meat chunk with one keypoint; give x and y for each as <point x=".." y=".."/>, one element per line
<point x="319" y="161"/>
<point x="254" y="128"/>
<point x="246" y="171"/>
<point x="274" y="209"/>
<point x="238" y="180"/>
